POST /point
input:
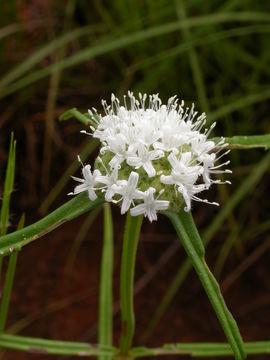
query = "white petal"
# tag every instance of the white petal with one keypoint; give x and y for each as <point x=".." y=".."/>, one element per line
<point x="92" y="195"/>
<point x="80" y="188"/>
<point x="166" y="179"/>
<point x="86" y="170"/>
<point x="152" y="215"/>
<point x="149" y="168"/>
<point x="125" y="205"/>
<point x="133" y="179"/>
<point x="138" y="210"/>
<point x="109" y="193"/>
<point x="162" y="204"/>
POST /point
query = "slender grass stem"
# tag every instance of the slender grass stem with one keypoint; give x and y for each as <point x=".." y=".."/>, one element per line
<point x="130" y="242"/>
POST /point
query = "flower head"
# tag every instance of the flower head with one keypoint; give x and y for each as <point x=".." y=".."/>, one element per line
<point x="150" y="148"/>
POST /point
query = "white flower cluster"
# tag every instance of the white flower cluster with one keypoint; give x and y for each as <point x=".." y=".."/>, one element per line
<point x="153" y="156"/>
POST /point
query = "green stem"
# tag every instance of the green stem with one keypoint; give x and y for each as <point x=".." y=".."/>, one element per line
<point x="54" y="347"/>
<point x="70" y="210"/>
<point x="213" y="350"/>
<point x="7" y="289"/>
<point x="130" y="242"/>
<point x="191" y="241"/>
<point x="105" y="319"/>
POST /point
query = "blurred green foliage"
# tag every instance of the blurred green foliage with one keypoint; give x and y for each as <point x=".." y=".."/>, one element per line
<point x="66" y="53"/>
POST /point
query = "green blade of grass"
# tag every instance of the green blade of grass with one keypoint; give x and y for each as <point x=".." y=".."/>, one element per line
<point x="248" y="142"/>
<point x="113" y="44"/>
<point x="202" y="349"/>
<point x="42" y="53"/>
<point x="238" y="104"/>
<point x="82" y="118"/>
<point x="201" y="40"/>
<point x="8" y="186"/>
<point x="193" y="59"/>
<point x="187" y="232"/>
<point x="79" y="205"/>
<point x="105" y="319"/>
<point x="243" y="189"/>
<point x="54" y="347"/>
<point x="9" y="283"/>
<point x="9" y="30"/>
<point x="130" y="243"/>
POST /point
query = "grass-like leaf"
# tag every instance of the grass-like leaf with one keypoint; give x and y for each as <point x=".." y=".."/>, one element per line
<point x="202" y="349"/>
<point x="54" y="347"/>
<point x="130" y="242"/>
<point x="238" y="104"/>
<point x="79" y="205"/>
<point x="9" y="283"/>
<point x="105" y="319"/>
<point x="116" y="42"/>
<point x="190" y="238"/>
<point x="83" y="118"/>
<point x="8" y="186"/>
<point x="249" y="142"/>
<point x="42" y="53"/>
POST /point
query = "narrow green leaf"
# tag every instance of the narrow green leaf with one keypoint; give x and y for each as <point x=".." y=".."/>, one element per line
<point x="105" y="319"/>
<point x="116" y="42"/>
<point x="9" y="283"/>
<point x="83" y="118"/>
<point x="238" y="105"/>
<point x="9" y="30"/>
<point x="193" y="59"/>
<point x="54" y="347"/>
<point x="42" y="53"/>
<point x="130" y="243"/>
<point x="249" y="142"/>
<point x="70" y="210"/>
<point x="202" y="349"/>
<point x="185" y="228"/>
<point x="7" y="289"/>
<point x="8" y="186"/>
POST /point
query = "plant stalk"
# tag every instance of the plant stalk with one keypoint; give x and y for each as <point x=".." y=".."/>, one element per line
<point x="130" y="242"/>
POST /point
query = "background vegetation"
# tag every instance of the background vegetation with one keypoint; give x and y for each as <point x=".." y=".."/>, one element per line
<point x="61" y="54"/>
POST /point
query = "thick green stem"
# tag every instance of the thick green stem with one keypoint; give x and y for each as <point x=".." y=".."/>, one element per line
<point x="130" y="242"/>
<point x="191" y="241"/>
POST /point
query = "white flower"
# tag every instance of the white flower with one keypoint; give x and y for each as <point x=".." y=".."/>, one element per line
<point x="109" y="180"/>
<point x="148" y="147"/>
<point x="87" y="183"/>
<point x="150" y="205"/>
<point x="144" y="158"/>
<point x="183" y="172"/>
<point x="128" y="190"/>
